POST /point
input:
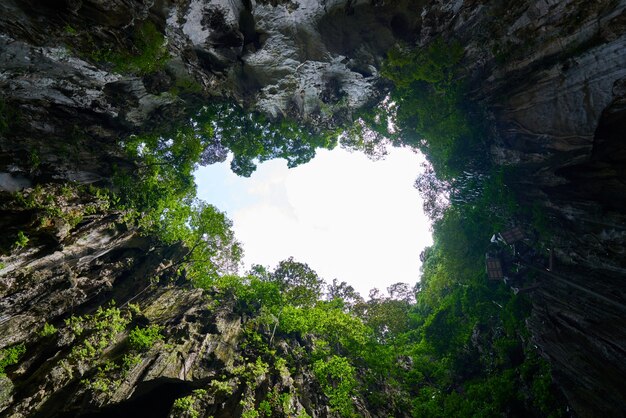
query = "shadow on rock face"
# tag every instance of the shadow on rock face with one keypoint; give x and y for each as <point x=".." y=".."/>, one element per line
<point x="151" y="399"/>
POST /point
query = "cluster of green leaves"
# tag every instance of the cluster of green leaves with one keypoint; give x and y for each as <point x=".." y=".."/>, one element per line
<point x="278" y="404"/>
<point x="252" y="138"/>
<point x="142" y="339"/>
<point x="96" y="332"/>
<point x="21" y="241"/>
<point x="48" y="330"/>
<point x="10" y="356"/>
<point x="186" y="406"/>
<point x="337" y="378"/>
<point x="67" y="202"/>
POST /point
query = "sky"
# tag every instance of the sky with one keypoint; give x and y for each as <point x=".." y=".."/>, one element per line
<point x="347" y="217"/>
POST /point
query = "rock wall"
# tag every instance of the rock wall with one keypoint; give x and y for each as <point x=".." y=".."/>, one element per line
<point x="551" y="74"/>
<point x="96" y="283"/>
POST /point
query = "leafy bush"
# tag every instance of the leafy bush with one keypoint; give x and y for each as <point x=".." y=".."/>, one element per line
<point x="185" y="405"/>
<point x="99" y="330"/>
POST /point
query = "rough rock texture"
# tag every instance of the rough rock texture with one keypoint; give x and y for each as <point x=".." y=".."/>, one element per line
<point x="313" y="61"/>
<point x="551" y="74"/>
<point x="94" y="282"/>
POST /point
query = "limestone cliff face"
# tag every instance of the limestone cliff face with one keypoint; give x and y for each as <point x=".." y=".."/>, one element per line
<point x="95" y="282"/>
<point x="550" y="73"/>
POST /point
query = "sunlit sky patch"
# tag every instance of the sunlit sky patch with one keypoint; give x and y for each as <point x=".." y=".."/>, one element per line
<point x="346" y="216"/>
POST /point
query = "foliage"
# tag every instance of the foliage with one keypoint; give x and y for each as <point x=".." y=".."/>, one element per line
<point x="160" y="198"/>
<point x="57" y="207"/>
<point x="252" y="138"/>
<point x="47" y="330"/>
<point x="220" y="386"/>
<point x="430" y="113"/>
<point x="185" y="405"/>
<point x="336" y="376"/>
<point x="10" y="356"/>
<point x="98" y="332"/>
<point x="298" y="283"/>
<point x="142" y="339"/>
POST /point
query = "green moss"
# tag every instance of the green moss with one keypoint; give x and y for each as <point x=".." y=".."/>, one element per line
<point x="186" y="85"/>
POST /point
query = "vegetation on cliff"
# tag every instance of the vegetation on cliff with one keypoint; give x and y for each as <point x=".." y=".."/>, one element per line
<point x="453" y="345"/>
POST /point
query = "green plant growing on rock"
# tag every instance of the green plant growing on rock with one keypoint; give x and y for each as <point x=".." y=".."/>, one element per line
<point x="10" y="356"/>
<point x="336" y="376"/>
<point x="221" y="386"/>
<point x="103" y="382"/>
<point x="48" y="330"/>
<point x="430" y="112"/>
<point x="100" y="329"/>
<point x="21" y="241"/>
<point x="185" y="407"/>
<point x="34" y="160"/>
<point x="142" y="339"/>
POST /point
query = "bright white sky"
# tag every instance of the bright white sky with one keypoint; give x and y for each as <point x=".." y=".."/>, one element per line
<point x="344" y="215"/>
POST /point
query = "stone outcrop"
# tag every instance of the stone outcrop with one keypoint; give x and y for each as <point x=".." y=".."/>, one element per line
<point x="551" y="74"/>
<point x="95" y="283"/>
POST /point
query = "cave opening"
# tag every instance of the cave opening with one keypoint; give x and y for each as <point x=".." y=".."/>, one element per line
<point x="346" y="215"/>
